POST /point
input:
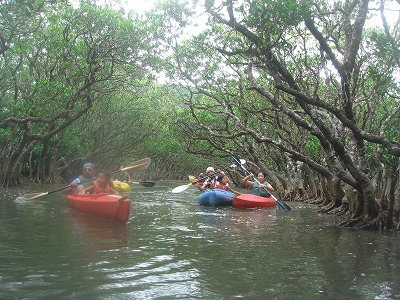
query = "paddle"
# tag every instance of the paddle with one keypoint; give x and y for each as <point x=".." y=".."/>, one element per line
<point x="192" y="178"/>
<point x="181" y="188"/>
<point x="145" y="183"/>
<point x="136" y="166"/>
<point x="236" y="161"/>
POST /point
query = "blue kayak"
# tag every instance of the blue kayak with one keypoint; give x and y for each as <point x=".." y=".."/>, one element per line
<point x="216" y="197"/>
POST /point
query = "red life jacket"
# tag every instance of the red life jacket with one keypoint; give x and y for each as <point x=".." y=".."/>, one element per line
<point x="219" y="185"/>
<point x="209" y="184"/>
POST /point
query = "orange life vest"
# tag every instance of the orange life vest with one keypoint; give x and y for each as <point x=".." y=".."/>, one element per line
<point x="98" y="189"/>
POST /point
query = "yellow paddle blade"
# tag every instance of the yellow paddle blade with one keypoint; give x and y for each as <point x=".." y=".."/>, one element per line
<point x="192" y="179"/>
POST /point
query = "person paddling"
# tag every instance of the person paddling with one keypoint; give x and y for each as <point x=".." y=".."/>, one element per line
<point x="83" y="180"/>
<point x="209" y="181"/>
<point x="122" y="175"/>
<point x="259" y="190"/>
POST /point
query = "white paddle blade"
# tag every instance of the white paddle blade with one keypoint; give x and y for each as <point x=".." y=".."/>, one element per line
<point x="180" y="188"/>
<point x="242" y="161"/>
<point x="138" y="165"/>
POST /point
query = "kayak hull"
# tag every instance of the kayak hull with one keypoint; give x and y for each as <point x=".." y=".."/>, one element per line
<point x="216" y="197"/>
<point x="253" y="201"/>
<point x="122" y="186"/>
<point x="113" y="207"/>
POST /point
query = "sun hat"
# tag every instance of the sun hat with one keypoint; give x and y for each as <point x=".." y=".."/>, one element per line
<point x="209" y="169"/>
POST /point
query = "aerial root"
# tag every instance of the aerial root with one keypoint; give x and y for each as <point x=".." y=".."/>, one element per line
<point x="364" y="223"/>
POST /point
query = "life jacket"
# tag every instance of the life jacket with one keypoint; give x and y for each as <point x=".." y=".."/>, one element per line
<point x="258" y="191"/>
<point x="209" y="184"/>
<point x="99" y="189"/>
<point x="219" y="185"/>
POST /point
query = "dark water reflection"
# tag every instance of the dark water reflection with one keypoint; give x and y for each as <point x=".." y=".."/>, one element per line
<point x="172" y="248"/>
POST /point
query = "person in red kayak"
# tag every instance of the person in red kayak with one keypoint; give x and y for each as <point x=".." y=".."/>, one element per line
<point x="82" y="181"/>
<point x="259" y="189"/>
<point x="103" y="184"/>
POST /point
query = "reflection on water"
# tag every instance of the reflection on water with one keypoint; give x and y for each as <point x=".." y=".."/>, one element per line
<point x="96" y="232"/>
<point x="173" y="248"/>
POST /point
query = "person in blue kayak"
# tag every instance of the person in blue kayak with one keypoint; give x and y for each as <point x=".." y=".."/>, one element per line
<point x="211" y="179"/>
<point x="222" y="183"/>
<point x="259" y="189"/>
<point x="82" y="181"/>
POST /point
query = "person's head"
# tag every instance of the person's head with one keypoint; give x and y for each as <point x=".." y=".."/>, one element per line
<point x="88" y="170"/>
<point x="103" y="178"/>
<point x="210" y="171"/>
<point x="222" y="178"/>
<point x="225" y="179"/>
<point x="261" y="176"/>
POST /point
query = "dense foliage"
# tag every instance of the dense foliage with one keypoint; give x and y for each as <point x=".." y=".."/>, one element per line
<point x="308" y="91"/>
<point x="77" y="86"/>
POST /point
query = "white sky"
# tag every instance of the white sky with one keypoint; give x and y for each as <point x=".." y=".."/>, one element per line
<point x="139" y="5"/>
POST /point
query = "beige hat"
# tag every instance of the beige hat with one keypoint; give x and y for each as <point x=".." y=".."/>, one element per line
<point x="209" y="169"/>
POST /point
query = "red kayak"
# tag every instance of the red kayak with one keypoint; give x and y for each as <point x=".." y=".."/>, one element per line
<point x="252" y="201"/>
<point x="109" y="206"/>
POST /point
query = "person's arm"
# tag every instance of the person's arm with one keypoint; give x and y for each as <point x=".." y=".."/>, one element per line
<point x="127" y="177"/>
<point x="204" y="186"/>
<point x="199" y="186"/>
<point x="90" y="189"/>
<point x="247" y="182"/>
<point x="232" y="190"/>
<point x="72" y="187"/>
<point x="113" y="191"/>
<point x="268" y="186"/>
<point x="111" y="184"/>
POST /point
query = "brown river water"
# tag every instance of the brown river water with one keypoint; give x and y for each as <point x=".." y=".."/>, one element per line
<point x="173" y="248"/>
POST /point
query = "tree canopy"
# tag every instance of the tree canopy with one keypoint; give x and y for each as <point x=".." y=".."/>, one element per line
<point x="309" y="87"/>
<point x="308" y="91"/>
